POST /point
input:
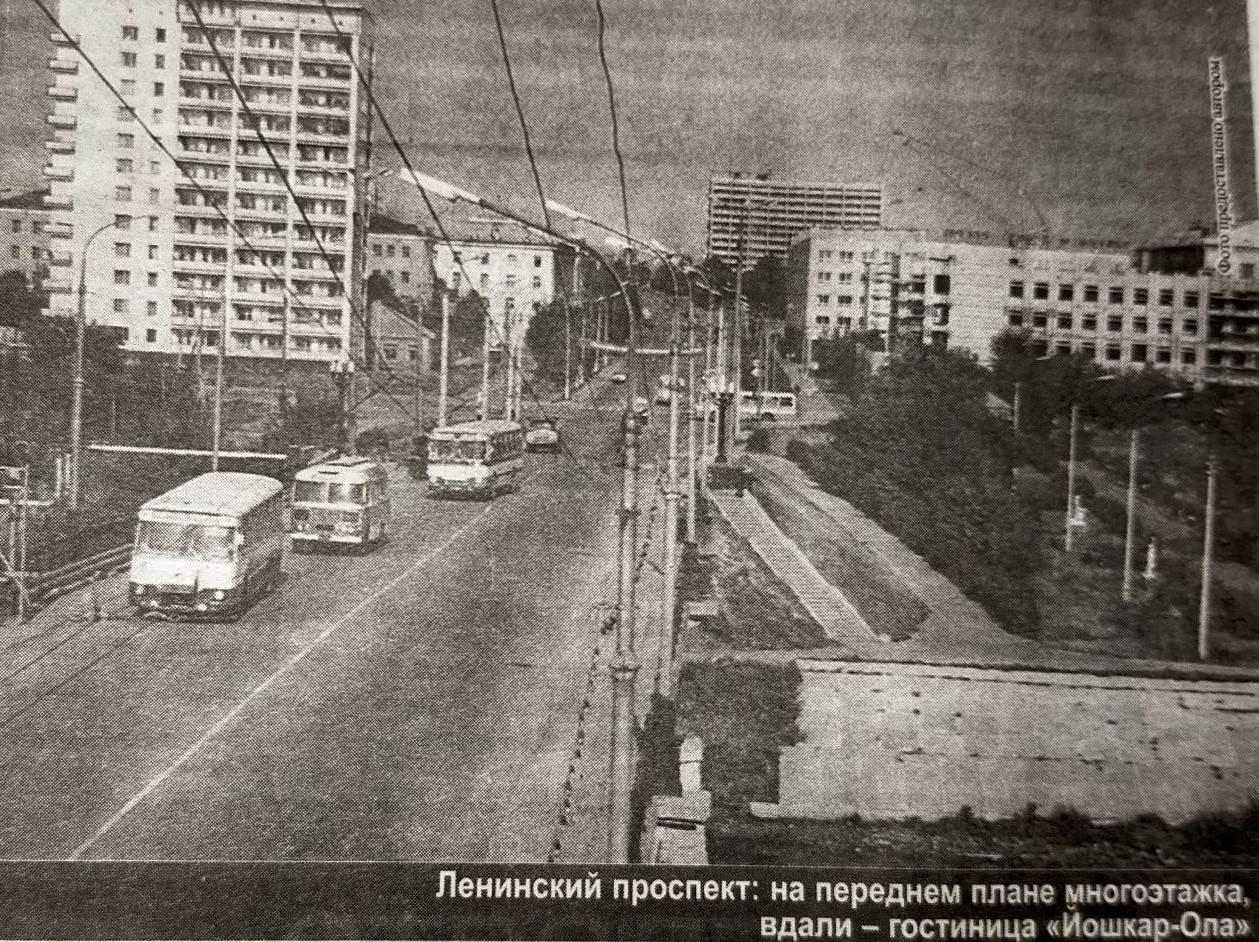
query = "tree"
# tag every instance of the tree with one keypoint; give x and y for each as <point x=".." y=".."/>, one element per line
<point x="467" y="324"/>
<point x="545" y="339"/>
<point x="19" y="302"/>
<point x="765" y="285"/>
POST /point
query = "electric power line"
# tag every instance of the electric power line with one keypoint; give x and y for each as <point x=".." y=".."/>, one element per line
<point x="520" y="112"/>
<point x="442" y="232"/>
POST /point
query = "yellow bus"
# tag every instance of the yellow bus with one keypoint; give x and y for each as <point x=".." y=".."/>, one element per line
<point x="342" y="502"/>
<point x="475" y="459"/>
<point x="208" y="547"/>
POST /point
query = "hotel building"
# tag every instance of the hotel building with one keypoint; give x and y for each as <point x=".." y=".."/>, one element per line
<point x="753" y="216"/>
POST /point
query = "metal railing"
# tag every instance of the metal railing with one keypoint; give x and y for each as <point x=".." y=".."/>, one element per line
<point x="37" y="589"/>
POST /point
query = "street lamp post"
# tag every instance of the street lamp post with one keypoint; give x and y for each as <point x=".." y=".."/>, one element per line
<point x="76" y="406"/>
<point x="1208" y="550"/>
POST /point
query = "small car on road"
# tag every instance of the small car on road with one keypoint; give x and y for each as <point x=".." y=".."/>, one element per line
<point x="542" y="435"/>
<point x="619" y="377"/>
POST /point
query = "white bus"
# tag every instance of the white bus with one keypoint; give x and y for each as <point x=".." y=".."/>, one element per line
<point x="767" y="406"/>
<point x="342" y="502"/>
<point x="475" y="459"/>
<point x="208" y="547"/>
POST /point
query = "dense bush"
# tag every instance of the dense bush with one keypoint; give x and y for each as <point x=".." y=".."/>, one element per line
<point x="922" y="455"/>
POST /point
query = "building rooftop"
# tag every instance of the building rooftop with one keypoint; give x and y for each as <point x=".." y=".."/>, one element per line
<point x="387" y="225"/>
<point x="31" y="199"/>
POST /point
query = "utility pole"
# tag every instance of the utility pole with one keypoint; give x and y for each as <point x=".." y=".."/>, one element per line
<point x="1017" y="406"/>
<point x="1071" y="454"/>
<point x="509" y="359"/>
<point x="1208" y="550"/>
<point x="664" y="674"/>
<point x="342" y="370"/>
<point x="1130" y="532"/>
<point x="218" y="383"/>
<point x="443" y="389"/>
<point x="484" y="411"/>
<point x="692" y="399"/>
<point x="568" y="350"/>
<point x="737" y="339"/>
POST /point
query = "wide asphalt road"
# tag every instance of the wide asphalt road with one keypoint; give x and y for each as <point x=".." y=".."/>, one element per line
<point x="419" y="702"/>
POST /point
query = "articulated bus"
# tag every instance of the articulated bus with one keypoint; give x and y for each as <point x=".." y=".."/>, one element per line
<point x="208" y="547"/>
<point x="342" y="502"/>
<point x="475" y="459"/>
<point x="767" y="406"/>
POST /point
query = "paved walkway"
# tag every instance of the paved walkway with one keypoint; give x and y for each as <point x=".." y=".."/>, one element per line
<point x="824" y="602"/>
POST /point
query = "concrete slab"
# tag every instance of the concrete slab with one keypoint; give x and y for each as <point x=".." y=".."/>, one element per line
<point x="890" y="740"/>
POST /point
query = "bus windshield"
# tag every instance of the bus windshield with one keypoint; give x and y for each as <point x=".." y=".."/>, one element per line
<point x="186" y="539"/>
<point x="343" y="493"/>
<point x="457" y="452"/>
<point x="313" y="492"/>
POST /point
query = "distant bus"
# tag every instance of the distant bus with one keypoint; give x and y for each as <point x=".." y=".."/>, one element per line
<point x="342" y="502"/>
<point x="767" y="406"/>
<point x="210" y="546"/>
<point x="475" y="459"/>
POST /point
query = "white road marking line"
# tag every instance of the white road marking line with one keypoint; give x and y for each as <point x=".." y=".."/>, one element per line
<point x="283" y="669"/>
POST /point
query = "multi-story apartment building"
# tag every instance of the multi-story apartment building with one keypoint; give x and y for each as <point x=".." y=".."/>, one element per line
<point x="514" y="277"/>
<point x="753" y="216"/>
<point x="24" y="235"/>
<point x="1199" y="251"/>
<point x="402" y="254"/>
<point x="909" y="288"/>
<point x="180" y="254"/>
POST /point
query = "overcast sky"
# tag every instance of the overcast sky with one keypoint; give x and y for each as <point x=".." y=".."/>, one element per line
<point x="1097" y="110"/>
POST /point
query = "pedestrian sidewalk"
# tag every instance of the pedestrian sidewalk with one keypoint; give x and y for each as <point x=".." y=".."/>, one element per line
<point x="828" y="606"/>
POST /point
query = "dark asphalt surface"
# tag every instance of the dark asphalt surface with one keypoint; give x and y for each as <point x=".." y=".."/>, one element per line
<point x="417" y="703"/>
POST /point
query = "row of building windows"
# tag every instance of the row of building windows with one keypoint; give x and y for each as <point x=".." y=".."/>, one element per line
<point x="510" y="260"/>
<point x="15" y="251"/>
<point x="1114" y="322"/>
<point x="1114" y="352"/>
<point x="132" y="34"/>
<point x="37" y="226"/>
<point x="1115" y="294"/>
<point x="389" y="250"/>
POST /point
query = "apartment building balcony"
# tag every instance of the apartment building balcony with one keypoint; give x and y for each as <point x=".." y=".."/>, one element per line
<point x="59" y="230"/>
<point x="325" y="83"/>
<point x="60" y="259"/>
<point x="197" y="294"/>
<point x="190" y="158"/>
<point x="197" y="267"/>
<point x="205" y="130"/>
<point x="1233" y="375"/>
<point x="60" y="174"/>
<point x="1234" y="340"/>
<point x="57" y="203"/>
<point x="57" y="286"/>
<point x="317" y="274"/>
<point x="325" y="111"/>
<point x="187" y="101"/>
<point x="268" y="81"/>
<point x="333" y="302"/>
<point x="211" y="73"/>
<point x="64" y="122"/>
<point x="63" y="66"/>
<point x="200" y="212"/>
<point x="59" y="147"/>
<point x="58" y="39"/>
<point x="63" y="93"/>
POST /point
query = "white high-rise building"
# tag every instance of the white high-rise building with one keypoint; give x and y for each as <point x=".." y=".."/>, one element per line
<point x="164" y="265"/>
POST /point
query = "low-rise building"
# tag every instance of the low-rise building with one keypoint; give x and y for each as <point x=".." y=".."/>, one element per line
<point x="402" y="254"/>
<point x="400" y="342"/>
<point x="515" y="277"/>
<point x="24" y="231"/>
<point x="906" y="287"/>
